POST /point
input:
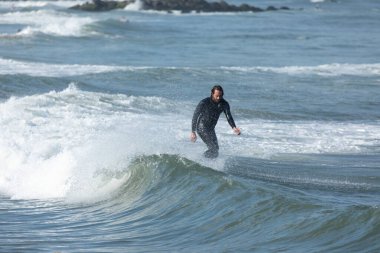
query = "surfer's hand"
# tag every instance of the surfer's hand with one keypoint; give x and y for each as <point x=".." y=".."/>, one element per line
<point x="193" y="137"/>
<point x="237" y="130"/>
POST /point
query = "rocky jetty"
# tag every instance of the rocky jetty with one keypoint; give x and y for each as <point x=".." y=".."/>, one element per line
<point x="99" y="5"/>
<point x="184" y="6"/>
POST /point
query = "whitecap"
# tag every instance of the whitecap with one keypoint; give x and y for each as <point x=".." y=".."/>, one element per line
<point x="11" y="67"/>
<point x="48" y="22"/>
<point x="333" y="69"/>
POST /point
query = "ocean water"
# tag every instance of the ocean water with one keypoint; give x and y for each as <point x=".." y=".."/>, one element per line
<point x="95" y="119"/>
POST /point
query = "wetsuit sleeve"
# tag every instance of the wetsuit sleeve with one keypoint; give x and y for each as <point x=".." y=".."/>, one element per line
<point x="227" y="112"/>
<point x="196" y="115"/>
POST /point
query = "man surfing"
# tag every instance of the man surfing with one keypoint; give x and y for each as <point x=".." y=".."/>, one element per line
<point x="206" y="117"/>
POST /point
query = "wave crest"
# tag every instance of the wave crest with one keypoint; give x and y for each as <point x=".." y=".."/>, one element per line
<point x="334" y="69"/>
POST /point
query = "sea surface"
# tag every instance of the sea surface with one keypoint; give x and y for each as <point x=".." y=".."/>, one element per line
<point x="95" y="120"/>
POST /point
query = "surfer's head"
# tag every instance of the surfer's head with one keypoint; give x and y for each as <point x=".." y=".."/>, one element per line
<point x="217" y="93"/>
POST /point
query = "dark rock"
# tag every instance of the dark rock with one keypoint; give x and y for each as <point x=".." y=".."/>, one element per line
<point x="185" y="6"/>
<point x="99" y="5"/>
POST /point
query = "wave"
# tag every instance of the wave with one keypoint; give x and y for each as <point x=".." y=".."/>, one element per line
<point x="337" y="173"/>
<point x="13" y="67"/>
<point x="14" y="5"/>
<point x="149" y="192"/>
<point x="265" y="138"/>
<point x="168" y="198"/>
<point x="150" y="174"/>
<point x="334" y="69"/>
<point x="136" y="6"/>
<point x="10" y="66"/>
<point x="49" y="140"/>
<point x="52" y="142"/>
<point x="48" y="22"/>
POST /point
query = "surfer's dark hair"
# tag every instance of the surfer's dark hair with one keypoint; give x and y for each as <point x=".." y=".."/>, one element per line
<point x="217" y="87"/>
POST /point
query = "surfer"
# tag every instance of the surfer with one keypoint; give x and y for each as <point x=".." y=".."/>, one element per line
<point x="206" y="117"/>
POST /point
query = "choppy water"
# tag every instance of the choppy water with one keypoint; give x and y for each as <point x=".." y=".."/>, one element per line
<point x="95" y="114"/>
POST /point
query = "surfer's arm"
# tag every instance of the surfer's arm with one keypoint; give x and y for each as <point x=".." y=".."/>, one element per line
<point x="227" y="112"/>
<point x="194" y="122"/>
<point x="196" y="115"/>
<point x="230" y="119"/>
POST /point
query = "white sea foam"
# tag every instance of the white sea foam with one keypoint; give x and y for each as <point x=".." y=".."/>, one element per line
<point x="192" y="13"/>
<point x="48" y="22"/>
<point x="11" y="5"/>
<point x="10" y="67"/>
<point x="74" y="144"/>
<point x="136" y="6"/>
<point x="267" y="138"/>
<point x="22" y="4"/>
<point x="323" y="70"/>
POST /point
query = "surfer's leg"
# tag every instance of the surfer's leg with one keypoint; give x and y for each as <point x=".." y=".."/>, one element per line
<point x="209" y="137"/>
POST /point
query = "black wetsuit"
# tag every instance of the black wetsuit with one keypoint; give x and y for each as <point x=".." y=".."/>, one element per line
<point x="205" y="117"/>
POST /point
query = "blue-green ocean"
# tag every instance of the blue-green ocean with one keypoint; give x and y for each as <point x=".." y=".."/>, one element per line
<point x="95" y="121"/>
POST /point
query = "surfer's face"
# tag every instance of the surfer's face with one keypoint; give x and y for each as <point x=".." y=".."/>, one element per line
<point x="217" y="96"/>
